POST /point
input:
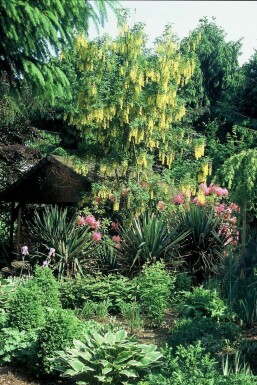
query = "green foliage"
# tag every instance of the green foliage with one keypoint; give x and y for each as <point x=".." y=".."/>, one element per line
<point x="47" y="284"/>
<point x="7" y="288"/>
<point x="205" y="246"/>
<point x="72" y="243"/>
<point x="60" y="328"/>
<point x="32" y="33"/>
<point x="149" y="238"/>
<point x="25" y="308"/>
<point x="98" y="310"/>
<point x="131" y="315"/>
<point x="183" y="281"/>
<point x="190" y="365"/>
<point x="155" y="286"/>
<point x="214" y="336"/>
<point x="203" y="302"/>
<point x="109" y="358"/>
<point x="114" y="287"/>
<point x="16" y="346"/>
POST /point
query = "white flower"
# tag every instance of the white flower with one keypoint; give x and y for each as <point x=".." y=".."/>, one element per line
<point x="51" y="252"/>
<point x="24" y="250"/>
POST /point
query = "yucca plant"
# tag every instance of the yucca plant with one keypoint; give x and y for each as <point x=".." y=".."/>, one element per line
<point x="205" y="245"/>
<point x="72" y="243"/>
<point x="112" y="358"/>
<point x="149" y="238"/>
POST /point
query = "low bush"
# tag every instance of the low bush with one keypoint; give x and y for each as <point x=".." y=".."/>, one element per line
<point x="113" y="287"/>
<point x="16" y="346"/>
<point x="214" y="336"/>
<point x="25" y="308"/>
<point x="60" y="328"/>
<point x="203" y="302"/>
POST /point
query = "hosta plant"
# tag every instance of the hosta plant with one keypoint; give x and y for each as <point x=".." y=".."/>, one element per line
<point x="112" y="358"/>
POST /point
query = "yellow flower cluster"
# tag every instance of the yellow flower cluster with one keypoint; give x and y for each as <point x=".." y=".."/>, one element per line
<point x="141" y="160"/>
<point x="201" y="198"/>
<point x="199" y="150"/>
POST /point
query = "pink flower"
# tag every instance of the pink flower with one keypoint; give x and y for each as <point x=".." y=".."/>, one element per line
<point x="24" y="250"/>
<point x="117" y="246"/>
<point x="219" y="191"/>
<point x="206" y="190"/>
<point x="96" y="236"/>
<point x="116" y="238"/>
<point x="233" y="220"/>
<point x="234" y="207"/>
<point x="195" y="200"/>
<point x="90" y="220"/>
<point x="179" y="199"/>
<point x="220" y="208"/>
<point x="225" y="192"/>
<point x="80" y="220"/>
<point x="114" y="226"/>
<point x="96" y="225"/>
<point x="161" y="205"/>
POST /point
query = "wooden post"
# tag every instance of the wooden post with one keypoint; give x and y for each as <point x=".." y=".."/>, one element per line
<point x="12" y="225"/>
<point x="18" y="228"/>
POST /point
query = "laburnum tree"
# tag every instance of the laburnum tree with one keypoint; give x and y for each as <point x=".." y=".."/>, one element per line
<point x="128" y="114"/>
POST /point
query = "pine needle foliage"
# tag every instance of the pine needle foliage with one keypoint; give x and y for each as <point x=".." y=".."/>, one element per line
<point x="32" y="31"/>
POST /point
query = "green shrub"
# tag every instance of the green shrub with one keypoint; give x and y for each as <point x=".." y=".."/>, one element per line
<point x="25" y="308"/>
<point x="113" y="287"/>
<point x="48" y="286"/>
<point x="16" y="346"/>
<point x="60" y="328"/>
<point x="213" y="335"/>
<point x="190" y="365"/>
<point x="155" y="285"/>
<point x="203" y="302"/>
<point x="183" y="281"/>
<point x="111" y="358"/>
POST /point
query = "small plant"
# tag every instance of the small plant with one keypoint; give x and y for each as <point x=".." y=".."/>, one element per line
<point x="203" y="302"/>
<point x="88" y="310"/>
<point x="111" y="358"/>
<point x="16" y="346"/>
<point x="155" y="285"/>
<point x="238" y="365"/>
<point x="131" y="314"/>
<point x="102" y="309"/>
<point x="190" y="365"/>
<point x="7" y="288"/>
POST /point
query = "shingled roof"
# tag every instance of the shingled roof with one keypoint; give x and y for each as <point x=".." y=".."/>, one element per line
<point x="51" y="180"/>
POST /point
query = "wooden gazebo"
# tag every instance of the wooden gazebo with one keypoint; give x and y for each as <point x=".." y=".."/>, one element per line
<point x="52" y="180"/>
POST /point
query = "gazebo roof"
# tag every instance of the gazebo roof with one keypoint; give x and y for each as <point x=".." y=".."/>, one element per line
<point x="51" y="180"/>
